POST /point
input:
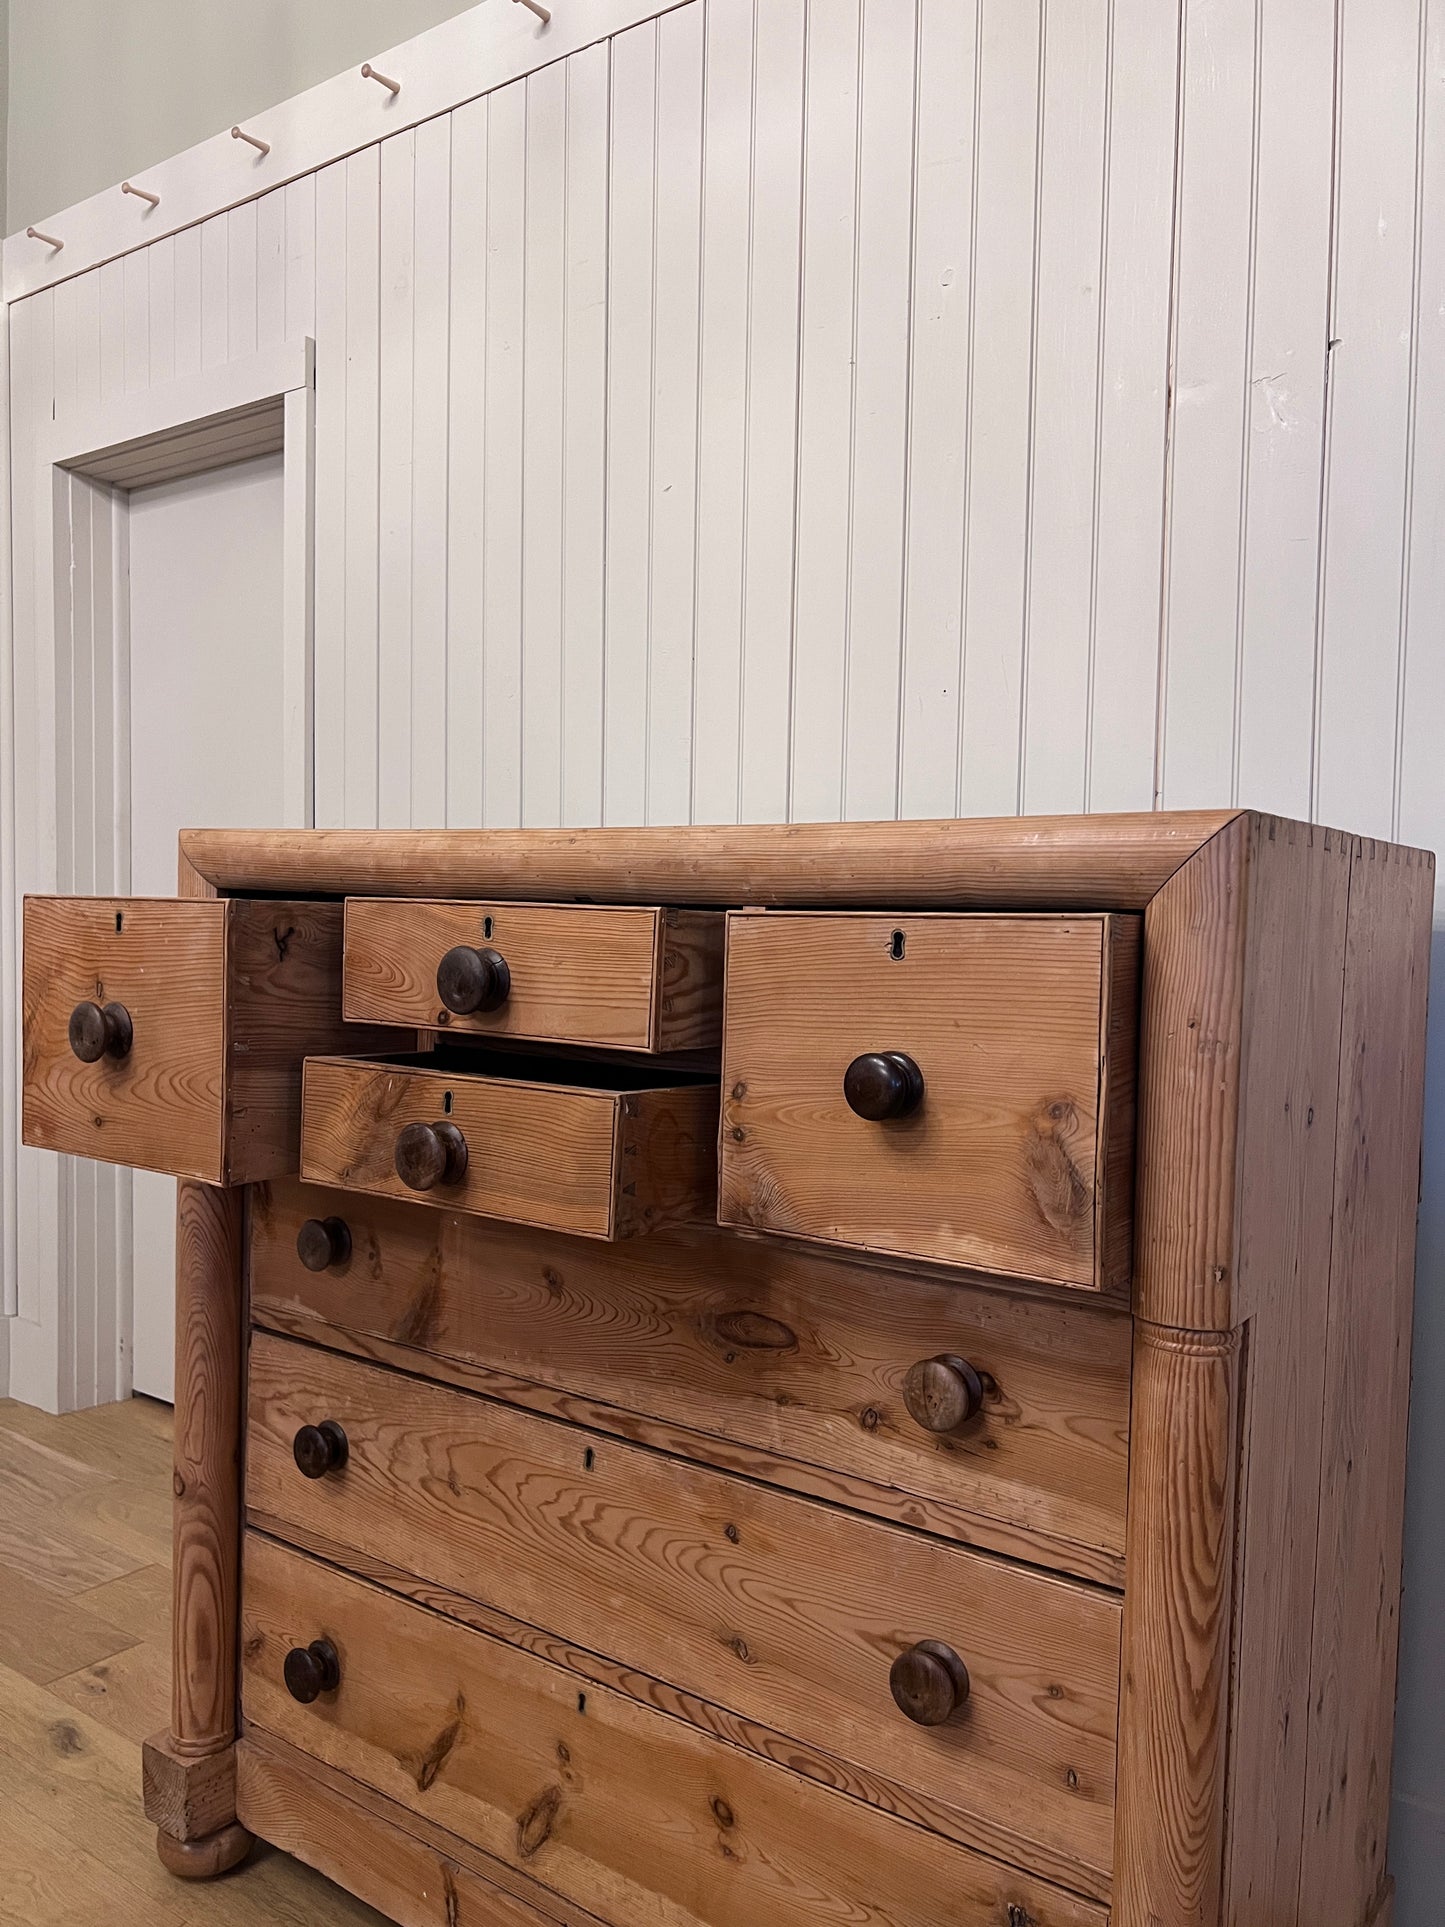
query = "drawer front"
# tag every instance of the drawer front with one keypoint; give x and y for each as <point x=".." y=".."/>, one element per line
<point x="605" y="1801"/>
<point x="211" y="1007"/>
<point x="799" y="1366"/>
<point x="988" y="1115"/>
<point x="782" y="1610"/>
<point x="597" y="1161"/>
<point x="156" y="1097"/>
<point x="628" y="979"/>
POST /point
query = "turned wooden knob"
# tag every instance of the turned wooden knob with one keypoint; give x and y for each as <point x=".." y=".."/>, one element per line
<point x="943" y="1393"/>
<point x="319" y="1449"/>
<point x="97" y="1032"/>
<point x="929" y="1682"/>
<point x="430" y="1154"/>
<point x="323" y="1242"/>
<point x="470" y="980"/>
<point x="312" y="1670"/>
<point x="883" y="1084"/>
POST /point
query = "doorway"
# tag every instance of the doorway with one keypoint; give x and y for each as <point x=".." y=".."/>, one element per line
<point x="206" y="743"/>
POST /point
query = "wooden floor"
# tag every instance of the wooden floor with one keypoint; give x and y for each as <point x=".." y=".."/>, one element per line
<point x="85" y="1508"/>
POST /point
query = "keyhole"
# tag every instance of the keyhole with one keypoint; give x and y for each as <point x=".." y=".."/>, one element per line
<point x="119" y="920"/>
<point x="446" y="1104"/>
<point x="486" y="926"/>
<point x="895" y="947"/>
<point x="589" y="1459"/>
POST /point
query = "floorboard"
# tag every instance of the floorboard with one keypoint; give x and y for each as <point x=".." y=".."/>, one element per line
<point x="85" y="1676"/>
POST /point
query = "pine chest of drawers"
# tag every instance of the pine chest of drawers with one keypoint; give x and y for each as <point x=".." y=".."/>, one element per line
<point x="752" y="1377"/>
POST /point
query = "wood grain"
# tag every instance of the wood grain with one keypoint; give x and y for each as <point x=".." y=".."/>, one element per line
<point x="331" y="1822"/>
<point x="785" y="1611"/>
<point x="601" y="1160"/>
<point x="1191" y="1049"/>
<point x="1173" y="1725"/>
<point x="617" y="1808"/>
<point x="161" y="1107"/>
<point x="74" y="1846"/>
<point x="1000" y="1167"/>
<point x="753" y="1736"/>
<point x="1299" y="883"/>
<point x="796" y="1355"/>
<point x="226" y="999"/>
<point x="206" y="1481"/>
<point x="1015" y="863"/>
<point x="1118" y="1101"/>
<point x="283" y="1005"/>
<point x="184" y="1797"/>
<point x="1367" y="1387"/>
<point x="631" y="979"/>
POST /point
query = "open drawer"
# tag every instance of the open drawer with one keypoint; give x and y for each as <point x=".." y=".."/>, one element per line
<point x="615" y="977"/>
<point x="603" y="1150"/>
<point x="957" y="1089"/>
<point x="170" y="1033"/>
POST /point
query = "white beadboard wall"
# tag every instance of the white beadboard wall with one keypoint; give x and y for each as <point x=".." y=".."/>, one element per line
<point x="816" y="408"/>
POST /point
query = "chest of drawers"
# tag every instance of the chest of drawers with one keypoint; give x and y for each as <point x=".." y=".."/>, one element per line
<point x="752" y="1377"/>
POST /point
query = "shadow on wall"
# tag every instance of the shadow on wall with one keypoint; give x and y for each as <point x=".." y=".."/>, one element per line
<point x="1417" y="1821"/>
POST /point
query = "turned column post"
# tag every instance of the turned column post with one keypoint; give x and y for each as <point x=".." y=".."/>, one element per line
<point x="190" y="1771"/>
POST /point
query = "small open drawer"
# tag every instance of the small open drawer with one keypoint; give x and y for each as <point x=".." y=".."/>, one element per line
<point x="952" y="1088"/>
<point x="616" y="977"/>
<point x="601" y="1150"/>
<point x="170" y="1034"/>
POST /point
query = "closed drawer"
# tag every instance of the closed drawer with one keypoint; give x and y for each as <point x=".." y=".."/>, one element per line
<point x="599" y="1150"/>
<point x="170" y="1034"/>
<point x="622" y="1811"/>
<point x="787" y="1613"/>
<point x="629" y="979"/>
<point x="794" y="1365"/>
<point x="957" y="1089"/>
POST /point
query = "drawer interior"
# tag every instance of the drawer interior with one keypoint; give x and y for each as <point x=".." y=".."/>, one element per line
<point x="556" y="1069"/>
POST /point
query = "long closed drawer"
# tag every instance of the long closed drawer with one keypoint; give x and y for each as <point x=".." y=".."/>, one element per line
<point x="602" y="1800"/>
<point x="599" y="1150"/>
<point x="170" y="1034"/>
<point x="957" y="1089"/>
<point x="1000" y="1418"/>
<point x="788" y="1613"/>
<point x="624" y="978"/>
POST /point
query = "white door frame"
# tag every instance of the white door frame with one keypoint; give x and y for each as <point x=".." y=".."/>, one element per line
<point x="71" y="1346"/>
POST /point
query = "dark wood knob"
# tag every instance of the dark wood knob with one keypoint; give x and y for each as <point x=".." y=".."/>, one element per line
<point x="883" y="1084"/>
<point x="943" y="1393"/>
<point x="929" y="1682"/>
<point x="430" y="1154"/>
<point x="470" y="980"/>
<point x="323" y="1242"/>
<point x="312" y="1670"/>
<point x="98" y="1031"/>
<point x="319" y="1449"/>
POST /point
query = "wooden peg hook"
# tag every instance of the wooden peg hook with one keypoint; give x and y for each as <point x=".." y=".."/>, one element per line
<point x="368" y="72"/>
<point x="251" y="140"/>
<point x="141" y="193"/>
<point x="50" y="240"/>
<point x="535" y="6"/>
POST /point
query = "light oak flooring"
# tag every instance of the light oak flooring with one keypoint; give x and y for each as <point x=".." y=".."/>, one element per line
<point x="85" y="1510"/>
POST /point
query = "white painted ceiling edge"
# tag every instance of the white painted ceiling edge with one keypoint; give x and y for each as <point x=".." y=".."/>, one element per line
<point x="441" y="69"/>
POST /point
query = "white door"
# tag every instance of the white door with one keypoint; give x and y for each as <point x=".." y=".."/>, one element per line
<point x="205" y="742"/>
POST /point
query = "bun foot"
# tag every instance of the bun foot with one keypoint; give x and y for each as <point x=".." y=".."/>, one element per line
<point x="203" y="1859"/>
